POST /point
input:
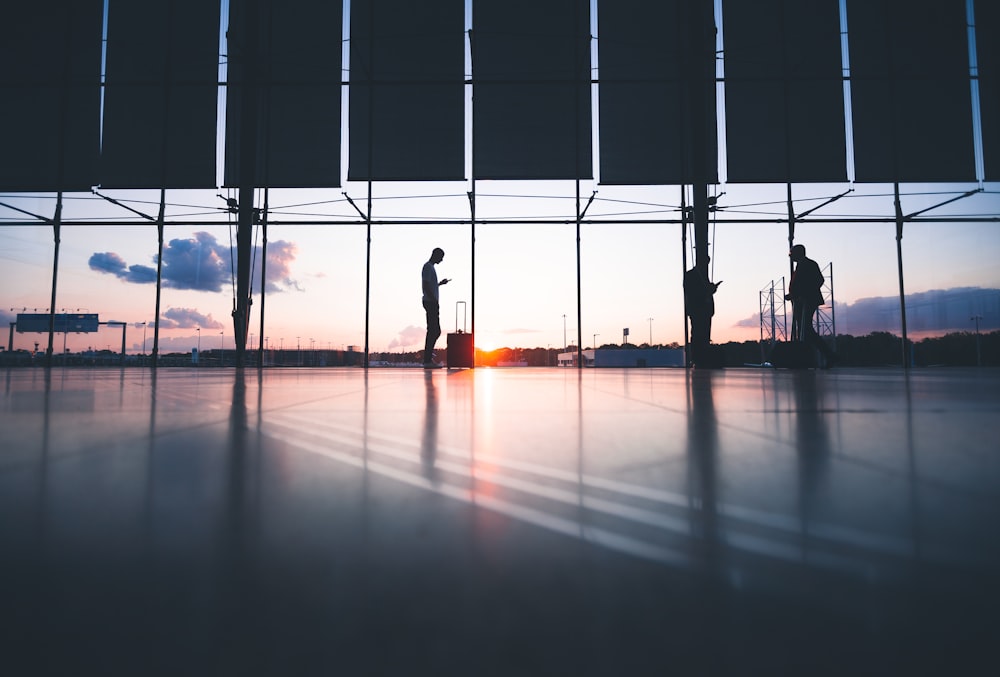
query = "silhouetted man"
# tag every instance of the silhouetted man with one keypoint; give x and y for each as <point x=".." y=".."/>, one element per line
<point x="431" y="305"/>
<point x="805" y="293"/>
<point x="699" y="304"/>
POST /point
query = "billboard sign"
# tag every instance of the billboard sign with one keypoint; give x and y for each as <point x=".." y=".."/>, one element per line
<point x="63" y="322"/>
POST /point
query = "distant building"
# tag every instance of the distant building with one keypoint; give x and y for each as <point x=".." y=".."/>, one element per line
<point x="626" y="357"/>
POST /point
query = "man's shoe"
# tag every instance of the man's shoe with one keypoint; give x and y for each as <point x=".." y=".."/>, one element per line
<point x="432" y="365"/>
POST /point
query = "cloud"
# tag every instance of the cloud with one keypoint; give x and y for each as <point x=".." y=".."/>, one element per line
<point x="936" y="311"/>
<point x="188" y="318"/>
<point x="280" y="256"/>
<point x="411" y="336"/>
<point x="201" y="263"/>
<point x="107" y="262"/>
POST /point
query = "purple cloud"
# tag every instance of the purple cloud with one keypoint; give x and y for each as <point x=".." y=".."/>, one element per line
<point x="201" y="263"/>
<point x="934" y="311"/>
<point x="188" y="318"/>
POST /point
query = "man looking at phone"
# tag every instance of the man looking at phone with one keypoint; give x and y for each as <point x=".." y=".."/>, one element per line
<point x="431" y="301"/>
<point x="699" y="304"/>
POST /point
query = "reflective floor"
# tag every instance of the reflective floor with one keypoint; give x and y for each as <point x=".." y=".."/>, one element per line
<point x="499" y="522"/>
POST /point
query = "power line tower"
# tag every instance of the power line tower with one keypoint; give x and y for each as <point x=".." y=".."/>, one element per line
<point x="826" y="318"/>
<point x="773" y="316"/>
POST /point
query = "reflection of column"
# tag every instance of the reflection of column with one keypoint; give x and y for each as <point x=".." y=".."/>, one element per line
<point x="237" y="560"/>
<point x="428" y="445"/>
<point x="581" y="514"/>
<point x="150" y="493"/>
<point x="237" y="457"/>
<point x="237" y="432"/>
<point x="812" y="444"/>
<point x="43" y="467"/>
<point x="366" y="616"/>
<point x="703" y="443"/>
<point x="912" y="463"/>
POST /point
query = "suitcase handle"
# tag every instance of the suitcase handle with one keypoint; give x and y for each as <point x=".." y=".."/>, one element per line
<point x="464" y="317"/>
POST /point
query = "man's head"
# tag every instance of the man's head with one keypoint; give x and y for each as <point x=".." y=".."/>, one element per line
<point x="437" y="255"/>
<point x="797" y="253"/>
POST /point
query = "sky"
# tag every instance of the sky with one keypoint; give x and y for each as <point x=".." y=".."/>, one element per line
<point x="525" y="274"/>
<point x="323" y="289"/>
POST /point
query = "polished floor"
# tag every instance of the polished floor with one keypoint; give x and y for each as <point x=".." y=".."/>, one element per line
<point x="499" y="522"/>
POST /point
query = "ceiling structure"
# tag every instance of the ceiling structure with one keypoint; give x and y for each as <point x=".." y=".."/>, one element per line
<point x="125" y="95"/>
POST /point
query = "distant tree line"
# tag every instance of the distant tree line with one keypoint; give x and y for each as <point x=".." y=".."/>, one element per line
<point x="881" y="349"/>
<point x="878" y="349"/>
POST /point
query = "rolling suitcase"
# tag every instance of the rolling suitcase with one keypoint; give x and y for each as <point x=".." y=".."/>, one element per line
<point x="461" y="353"/>
<point x="793" y="355"/>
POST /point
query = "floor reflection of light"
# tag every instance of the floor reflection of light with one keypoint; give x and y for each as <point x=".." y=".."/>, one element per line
<point x="483" y="438"/>
<point x="485" y="383"/>
<point x="484" y="414"/>
<point x="506" y="438"/>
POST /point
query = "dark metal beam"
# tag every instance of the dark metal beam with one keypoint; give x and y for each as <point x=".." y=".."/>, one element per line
<point x="249" y="102"/>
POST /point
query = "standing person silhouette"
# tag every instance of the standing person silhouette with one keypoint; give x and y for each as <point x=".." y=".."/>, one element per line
<point x="805" y="293"/>
<point x="699" y="304"/>
<point x="431" y="301"/>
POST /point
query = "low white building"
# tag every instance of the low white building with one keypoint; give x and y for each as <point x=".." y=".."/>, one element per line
<point x="626" y="357"/>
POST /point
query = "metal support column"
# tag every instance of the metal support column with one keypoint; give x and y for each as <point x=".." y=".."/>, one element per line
<point x="249" y="104"/>
<point x="159" y="277"/>
<point x="472" y="245"/>
<point x="263" y="278"/>
<point x="791" y="229"/>
<point x="696" y="86"/>
<point x="899" y="261"/>
<point x="56" y="226"/>
<point x="579" y="288"/>
<point x="368" y="245"/>
<point x="684" y="268"/>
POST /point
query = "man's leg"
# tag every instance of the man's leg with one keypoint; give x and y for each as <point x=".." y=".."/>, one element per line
<point x="812" y="338"/>
<point x="433" y="330"/>
<point x="701" y="328"/>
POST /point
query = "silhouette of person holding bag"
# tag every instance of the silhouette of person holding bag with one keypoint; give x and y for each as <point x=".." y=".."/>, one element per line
<point x="805" y="293"/>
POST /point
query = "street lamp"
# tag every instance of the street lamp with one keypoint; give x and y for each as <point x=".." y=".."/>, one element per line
<point x="595" y="341"/>
<point x="564" y="332"/>
<point x="65" y="333"/>
<point x="222" y="347"/>
<point x="198" y="329"/>
<point x="650" y="332"/>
